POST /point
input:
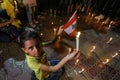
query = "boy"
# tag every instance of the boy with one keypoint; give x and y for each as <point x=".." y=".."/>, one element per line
<point x="31" y="44"/>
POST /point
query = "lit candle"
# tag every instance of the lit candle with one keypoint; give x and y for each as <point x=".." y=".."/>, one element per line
<point x="77" y="41"/>
<point x="41" y="34"/>
<point x="69" y="49"/>
<point x="107" y="60"/>
<point x="76" y="61"/>
<point x="92" y="49"/>
<point x="15" y="4"/>
<point x="89" y="13"/>
<point x="52" y="23"/>
<point x="114" y="55"/>
<point x="82" y="70"/>
<point x="109" y="26"/>
<point x="54" y="31"/>
<point x="109" y="40"/>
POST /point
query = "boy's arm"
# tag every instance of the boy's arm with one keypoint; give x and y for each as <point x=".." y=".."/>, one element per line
<point x="55" y="38"/>
<point x="74" y="54"/>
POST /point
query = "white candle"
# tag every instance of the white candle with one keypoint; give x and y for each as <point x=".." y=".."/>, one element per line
<point x="114" y="55"/>
<point x="15" y="4"/>
<point x="109" y="40"/>
<point x="81" y="70"/>
<point x="77" y="41"/>
<point x="92" y="49"/>
<point x="107" y="60"/>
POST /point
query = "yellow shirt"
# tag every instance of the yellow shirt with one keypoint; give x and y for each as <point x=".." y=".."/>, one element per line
<point x="35" y="63"/>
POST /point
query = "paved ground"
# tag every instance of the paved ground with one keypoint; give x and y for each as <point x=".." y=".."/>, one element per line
<point x="16" y="68"/>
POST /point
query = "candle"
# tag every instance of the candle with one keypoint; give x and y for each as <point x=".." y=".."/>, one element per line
<point x="107" y="60"/>
<point x="81" y="70"/>
<point x="76" y="61"/>
<point x="51" y="22"/>
<point x="78" y="17"/>
<point x="15" y="4"/>
<point x="77" y="41"/>
<point x="69" y="50"/>
<point x="54" y="31"/>
<point x="92" y="49"/>
<point x="109" y="40"/>
<point x="41" y="34"/>
<point x="114" y="55"/>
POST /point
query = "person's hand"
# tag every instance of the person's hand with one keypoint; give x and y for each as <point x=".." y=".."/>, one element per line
<point x="60" y="30"/>
<point x="75" y="54"/>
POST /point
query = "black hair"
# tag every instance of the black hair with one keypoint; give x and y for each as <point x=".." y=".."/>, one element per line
<point x="28" y="35"/>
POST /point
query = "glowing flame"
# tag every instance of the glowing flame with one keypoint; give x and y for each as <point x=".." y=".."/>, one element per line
<point x="52" y="23"/>
<point x="78" y="35"/>
<point x="54" y="29"/>
<point x="41" y="34"/>
<point x="115" y="55"/>
<point x="109" y="40"/>
<point x="69" y="49"/>
<point x="82" y="70"/>
<point x="93" y="49"/>
<point x="77" y="61"/>
<point x="107" y="60"/>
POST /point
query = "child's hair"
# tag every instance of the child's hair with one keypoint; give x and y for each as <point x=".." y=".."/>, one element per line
<point x="28" y="35"/>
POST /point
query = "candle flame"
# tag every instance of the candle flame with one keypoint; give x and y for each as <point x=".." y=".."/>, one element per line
<point x="41" y="34"/>
<point x="78" y="34"/>
<point x="107" y="60"/>
<point x="93" y="49"/>
<point x="82" y="70"/>
<point x="115" y="55"/>
<point x="109" y="40"/>
<point x="76" y="61"/>
<point x="92" y="15"/>
<point x="51" y="22"/>
<point x="54" y="29"/>
<point x="78" y="17"/>
<point x="69" y="49"/>
<point x="89" y="13"/>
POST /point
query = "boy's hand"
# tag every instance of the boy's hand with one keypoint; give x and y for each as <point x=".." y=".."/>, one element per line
<point x="75" y="54"/>
<point x="60" y="30"/>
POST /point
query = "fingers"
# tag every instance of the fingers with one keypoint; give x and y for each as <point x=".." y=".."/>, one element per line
<point x="60" y="30"/>
<point x="77" y="56"/>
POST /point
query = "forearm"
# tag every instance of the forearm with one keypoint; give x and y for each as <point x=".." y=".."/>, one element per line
<point x="59" y="65"/>
<point x="50" y="42"/>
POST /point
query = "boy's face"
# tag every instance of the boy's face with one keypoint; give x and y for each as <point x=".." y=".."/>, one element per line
<point x="32" y="47"/>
